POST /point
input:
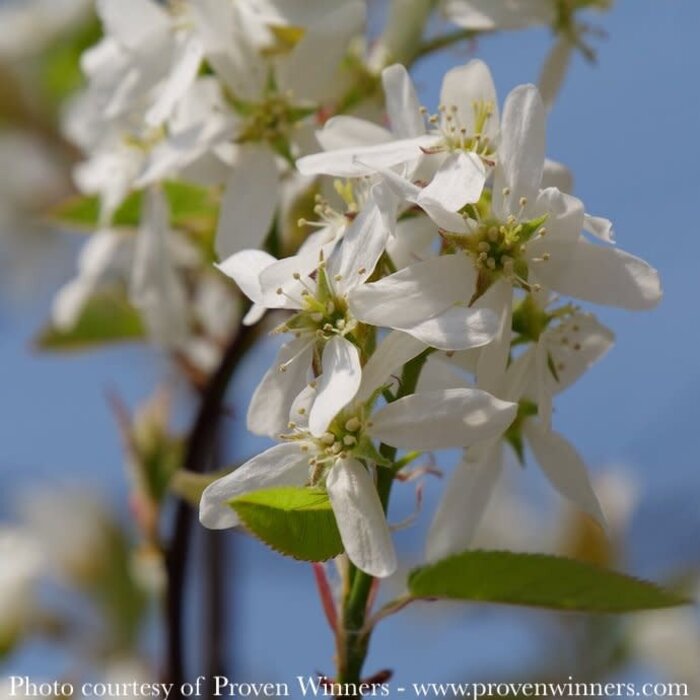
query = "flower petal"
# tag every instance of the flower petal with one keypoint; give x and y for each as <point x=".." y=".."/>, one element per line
<point x="521" y="152"/>
<point x="557" y="175"/>
<point x="416" y="293"/>
<point x="310" y="70"/>
<point x="244" y="269"/>
<point x="599" y="227"/>
<point x="602" y="275"/>
<point x="442" y="419"/>
<point x="458" y="328"/>
<point x="574" y="346"/>
<point x="487" y="15"/>
<point x="268" y="411"/>
<point x="156" y="289"/>
<point x="459" y="181"/>
<point x="464" y="502"/>
<point x="348" y="132"/>
<point x="249" y="202"/>
<point x="563" y="467"/>
<point x="186" y="63"/>
<point x="281" y="465"/>
<point x="359" y="161"/>
<point x="133" y="22"/>
<point x="363" y="243"/>
<point x="402" y="105"/>
<point x="464" y="86"/>
<point x="554" y="70"/>
<point x="340" y="379"/>
<point x="360" y="517"/>
<point x="412" y="240"/>
<point x="493" y="359"/>
<point x="391" y="354"/>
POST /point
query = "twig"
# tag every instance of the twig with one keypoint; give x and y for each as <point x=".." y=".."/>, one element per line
<point x="200" y="450"/>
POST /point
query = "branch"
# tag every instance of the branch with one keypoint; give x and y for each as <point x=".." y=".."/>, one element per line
<point x="443" y="41"/>
<point x="200" y="450"/>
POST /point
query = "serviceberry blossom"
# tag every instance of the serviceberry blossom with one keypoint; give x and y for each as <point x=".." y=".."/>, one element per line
<point x="560" y="15"/>
<point x="329" y="440"/>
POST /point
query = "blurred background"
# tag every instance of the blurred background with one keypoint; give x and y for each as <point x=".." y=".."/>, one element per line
<point x="627" y="128"/>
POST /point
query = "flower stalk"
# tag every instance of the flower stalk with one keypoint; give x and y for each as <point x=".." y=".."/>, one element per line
<point x="353" y="634"/>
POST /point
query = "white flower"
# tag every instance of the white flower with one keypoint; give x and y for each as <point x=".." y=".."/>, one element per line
<point x="490" y="15"/>
<point x="470" y="487"/>
<point x="23" y="564"/>
<point x="331" y="429"/>
<point x="485" y="15"/>
<point x="156" y="288"/>
<point x="524" y="237"/>
<point x="27" y="27"/>
<point x="76" y="550"/>
<point x="461" y="138"/>
<point x="267" y="119"/>
<point x="150" y="262"/>
<point x="569" y="342"/>
<point x="320" y="304"/>
<point x="138" y="74"/>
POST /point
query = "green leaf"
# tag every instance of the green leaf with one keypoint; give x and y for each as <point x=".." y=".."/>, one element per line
<point x="59" y="71"/>
<point x="193" y="209"/>
<point x="106" y="318"/>
<point x="83" y="212"/>
<point x="537" y="580"/>
<point x="295" y="521"/>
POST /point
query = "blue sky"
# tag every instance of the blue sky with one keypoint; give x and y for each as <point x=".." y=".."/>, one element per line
<point x="628" y="130"/>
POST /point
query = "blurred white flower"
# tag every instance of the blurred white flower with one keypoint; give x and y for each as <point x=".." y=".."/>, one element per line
<point x="23" y="563"/>
<point x="27" y="26"/>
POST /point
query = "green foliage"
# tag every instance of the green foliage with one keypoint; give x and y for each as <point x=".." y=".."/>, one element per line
<point x="295" y="521"/>
<point x="537" y="580"/>
<point x="107" y="318"/>
<point x="193" y="209"/>
<point x="60" y="73"/>
<point x="83" y="213"/>
<point x="116" y="591"/>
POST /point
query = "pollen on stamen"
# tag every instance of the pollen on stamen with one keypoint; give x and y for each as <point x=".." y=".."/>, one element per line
<point x="352" y="424"/>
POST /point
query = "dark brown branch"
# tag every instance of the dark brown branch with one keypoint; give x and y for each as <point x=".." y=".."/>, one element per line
<point x="200" y="451"/>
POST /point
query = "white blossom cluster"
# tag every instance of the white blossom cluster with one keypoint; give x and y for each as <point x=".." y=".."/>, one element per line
<point x="443" y="234"/>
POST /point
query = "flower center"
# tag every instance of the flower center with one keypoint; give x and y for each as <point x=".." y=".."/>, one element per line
<point x="457" y="136"/>
<point x="342" y="437"/>
<point x="323" y="313"/>
<point x="498" y="248"/>
<point x="271" y="120"/>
